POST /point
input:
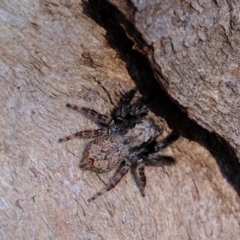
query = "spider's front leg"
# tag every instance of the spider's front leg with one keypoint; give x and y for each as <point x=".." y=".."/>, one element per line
<point x="85" y="134"/>
<point x="154" y="159"/>
<point x="127" y="110"/>
<point x="171" y="138"/>
<point x="98" y="118"/>
<point x="119" y="174"/>
<point x="123" y="107"/>
<point x="138" y="108"/>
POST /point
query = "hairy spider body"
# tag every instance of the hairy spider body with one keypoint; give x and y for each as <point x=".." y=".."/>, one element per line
<point x="104" y="153"/>
<point x="126" y="141"/>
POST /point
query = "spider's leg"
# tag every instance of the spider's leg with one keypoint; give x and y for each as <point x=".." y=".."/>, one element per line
<point x="139" y="175"/>
<point x="167" y="141"/>
<point x="127" y="98"/>
<point x="120" y="172"/>
<point x="85" y="134"/>
<point x="92" y="114"/>
<point x="123" y="107"/>
<point x="154" y="159"/>
<point x="138" y="108"/>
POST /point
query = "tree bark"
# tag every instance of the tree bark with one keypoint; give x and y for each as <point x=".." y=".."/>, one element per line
<point x="53" y="53"/>
<point x="193" y="47"/>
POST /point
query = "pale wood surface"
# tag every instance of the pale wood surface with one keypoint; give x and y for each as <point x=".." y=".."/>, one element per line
<point x="52" y="53"/>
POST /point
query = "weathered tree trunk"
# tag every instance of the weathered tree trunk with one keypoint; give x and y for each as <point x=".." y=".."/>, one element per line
<point x="54" y="52"/>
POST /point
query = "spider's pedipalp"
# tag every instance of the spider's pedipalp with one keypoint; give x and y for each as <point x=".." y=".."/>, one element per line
<point x="119" y="174"/>
<point x="85" y="134"/>
<point x="92" y="114"/>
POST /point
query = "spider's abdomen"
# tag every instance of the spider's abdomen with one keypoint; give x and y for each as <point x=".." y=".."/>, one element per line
<point x="103" y="154"/>
<point x="143" y="132"/>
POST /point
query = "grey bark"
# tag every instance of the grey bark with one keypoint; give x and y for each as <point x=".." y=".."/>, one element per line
<point x="52" y="53"/>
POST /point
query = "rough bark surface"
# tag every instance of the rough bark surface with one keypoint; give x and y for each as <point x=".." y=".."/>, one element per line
<point x="51" y="53"/>
<point x="194" y="48"/>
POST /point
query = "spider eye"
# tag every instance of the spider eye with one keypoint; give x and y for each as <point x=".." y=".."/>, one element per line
<point x="115" y="129"/>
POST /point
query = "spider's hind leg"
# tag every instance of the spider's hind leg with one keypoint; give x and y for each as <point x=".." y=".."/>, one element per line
<point x="138" y="173"/>
<point x="119" y="174"/>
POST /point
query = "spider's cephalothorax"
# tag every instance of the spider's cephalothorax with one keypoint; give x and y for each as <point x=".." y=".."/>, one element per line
<point x="126" y="140"/>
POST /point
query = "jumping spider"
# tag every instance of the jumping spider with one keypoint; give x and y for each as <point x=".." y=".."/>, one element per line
<point x="127" y="140"/>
